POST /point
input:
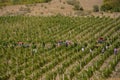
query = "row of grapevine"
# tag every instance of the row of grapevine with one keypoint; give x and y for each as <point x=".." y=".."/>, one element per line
<point x="51" y="62"/>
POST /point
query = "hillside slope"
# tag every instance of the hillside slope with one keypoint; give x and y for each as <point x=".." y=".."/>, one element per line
<point x="53" y="8"/>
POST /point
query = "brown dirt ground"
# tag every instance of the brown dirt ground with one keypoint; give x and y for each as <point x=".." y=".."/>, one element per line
<point x="55" y="7"/>
<point x="45" y="9"/>
<point x="88" y="4"/>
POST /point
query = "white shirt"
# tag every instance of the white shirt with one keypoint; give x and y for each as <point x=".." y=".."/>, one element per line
<point x="106" y="47"/>
<point x="83" y="49"/>
<point x="90" y="50"/>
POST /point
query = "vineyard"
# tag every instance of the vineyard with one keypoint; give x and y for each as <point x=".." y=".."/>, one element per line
<point x="81" y="60"/>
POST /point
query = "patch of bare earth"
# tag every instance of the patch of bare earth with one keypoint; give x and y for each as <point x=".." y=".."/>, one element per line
<point x="55" y="7"/>
<point x="45" y="9"/>
<point x="88" y="4"/>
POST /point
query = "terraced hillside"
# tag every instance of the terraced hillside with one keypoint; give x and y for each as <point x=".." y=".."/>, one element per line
<point x="29" y="48"/>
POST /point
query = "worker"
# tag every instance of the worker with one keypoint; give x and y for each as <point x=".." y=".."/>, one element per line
<point x="90" y="50"/>
<point x="26" y="45"/>
<point x="106" y="46"/>
<point x="43" y="44"/>
<point x="34" y="48"/>
<point x="101" y="40"/>
<point x="115" y="51"/>
<point x="66" y="43"/>
<point x="83" y="49"/>
<point x="103" y="50"/>
<point x="59" y="43"/>
<point x="20" y="44"/>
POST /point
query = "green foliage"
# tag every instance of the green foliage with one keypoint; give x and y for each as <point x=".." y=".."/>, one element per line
<point x="47" y="0"/>
<point x="95" y="8"/>
<point x="111" y="5"/>
<point x="20" y="64"/>
<point x="76" y="4"/>
<point x="13" y="2"/>
<point x="78" y="7"/>
<point x="106" y="7"/>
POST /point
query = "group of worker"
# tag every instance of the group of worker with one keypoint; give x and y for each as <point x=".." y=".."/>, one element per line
<point x="34" y="46"/>
<point x="102" y="40"/>
<point x="66" y="43"/>
<point x="63" y="43"/>
<point x="99" y="42"/>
